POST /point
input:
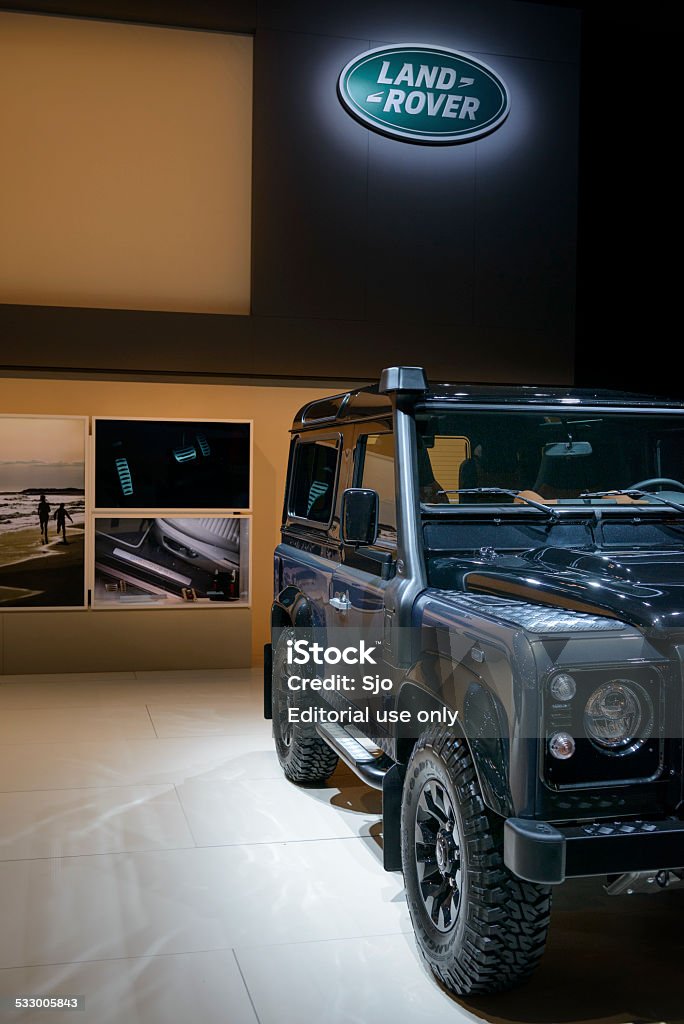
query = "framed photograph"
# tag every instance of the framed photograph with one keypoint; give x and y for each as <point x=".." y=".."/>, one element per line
<point x="42" y="512"/>
<point x="173" y="465"/>
<point x="170" y="561"/>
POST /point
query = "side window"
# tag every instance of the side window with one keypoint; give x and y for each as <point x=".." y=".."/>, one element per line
<point x="375" y="469"/>
<point x="314" y="472"/>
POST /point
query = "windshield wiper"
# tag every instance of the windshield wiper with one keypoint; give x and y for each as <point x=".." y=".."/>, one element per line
<point x="548" y="512"/>
<point x="632" y="492"/>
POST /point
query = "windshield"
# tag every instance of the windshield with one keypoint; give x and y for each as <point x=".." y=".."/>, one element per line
<point x="554" y="458"/>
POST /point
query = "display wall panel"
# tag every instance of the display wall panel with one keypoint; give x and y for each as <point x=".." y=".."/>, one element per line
<point x="161" y="638"/>
<point x="171" y="561"/>
<point x="164" y="465"/>
<point x="43" y="512"/>
<point x="142" y="639"/>
<point x="127" y="159"/>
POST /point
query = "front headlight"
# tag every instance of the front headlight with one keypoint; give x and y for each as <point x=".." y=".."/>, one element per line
<point x="618" y="716"/>
<point x="615" y="718"/>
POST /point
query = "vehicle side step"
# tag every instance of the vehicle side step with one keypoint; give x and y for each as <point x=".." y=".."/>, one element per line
<point x="365" y="759"/>
<point x="378" y="770"/>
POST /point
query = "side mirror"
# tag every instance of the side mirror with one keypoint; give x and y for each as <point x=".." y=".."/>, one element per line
<point x="360" y="513"/>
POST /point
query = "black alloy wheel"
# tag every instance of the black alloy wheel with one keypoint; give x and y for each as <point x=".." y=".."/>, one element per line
<point x="438" y="855"/>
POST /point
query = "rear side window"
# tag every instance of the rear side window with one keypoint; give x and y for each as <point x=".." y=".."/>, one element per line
<point x="314" y="472"/>
<point x="375" y="469"/>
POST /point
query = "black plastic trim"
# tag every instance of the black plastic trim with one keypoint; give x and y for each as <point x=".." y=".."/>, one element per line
<point x="534" y="851"/>
<point x="539" y="852"/>
<point x="392" y="789"/>
<point x="268" y="681"/>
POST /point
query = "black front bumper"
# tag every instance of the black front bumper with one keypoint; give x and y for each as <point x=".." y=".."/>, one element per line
<point x="538" y="852"/>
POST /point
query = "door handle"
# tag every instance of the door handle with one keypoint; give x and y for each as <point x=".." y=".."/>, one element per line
<point x="341" y="602"/>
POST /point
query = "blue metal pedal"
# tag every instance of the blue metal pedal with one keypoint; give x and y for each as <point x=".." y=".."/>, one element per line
<point x="125" y="477"/>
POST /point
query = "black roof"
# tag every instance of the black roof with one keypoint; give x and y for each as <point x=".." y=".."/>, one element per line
<point x="517" y="394"/>
<point x="368" y="403"/>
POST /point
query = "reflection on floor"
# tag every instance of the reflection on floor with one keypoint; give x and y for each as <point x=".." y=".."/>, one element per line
<point x="154" y="860"/>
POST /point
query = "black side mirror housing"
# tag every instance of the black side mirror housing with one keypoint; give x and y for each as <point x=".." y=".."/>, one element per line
<point x="360" y="513"/>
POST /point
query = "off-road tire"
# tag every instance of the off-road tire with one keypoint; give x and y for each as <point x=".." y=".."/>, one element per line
<point x="499" y="926"/>
<point x="303" y="755"/>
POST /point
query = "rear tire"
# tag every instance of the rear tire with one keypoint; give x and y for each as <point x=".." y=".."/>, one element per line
<point x="479" y="928"/>
<point x="303" y="755"/>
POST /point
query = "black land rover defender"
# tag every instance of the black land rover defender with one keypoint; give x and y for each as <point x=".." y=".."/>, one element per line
<point x="505" y="568"/>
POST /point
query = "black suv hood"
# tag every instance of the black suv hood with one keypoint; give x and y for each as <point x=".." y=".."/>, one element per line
<point x="644" y="588"/>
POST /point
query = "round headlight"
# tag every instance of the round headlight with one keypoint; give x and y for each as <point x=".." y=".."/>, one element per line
<point x="619" y="716"/>
<point x="563" y="687"/>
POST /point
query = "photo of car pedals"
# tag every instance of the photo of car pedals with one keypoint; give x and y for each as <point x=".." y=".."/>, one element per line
<point x="156" y="465"/>
<point x="185" y="454"/>
<point x="125" y="476"/>
<point x="188" y="452"/>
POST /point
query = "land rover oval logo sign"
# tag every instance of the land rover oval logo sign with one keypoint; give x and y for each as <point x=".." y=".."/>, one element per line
<point x="422" y="93"/>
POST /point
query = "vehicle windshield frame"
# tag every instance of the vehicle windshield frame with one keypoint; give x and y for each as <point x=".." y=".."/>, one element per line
<point x="581" y="509"/>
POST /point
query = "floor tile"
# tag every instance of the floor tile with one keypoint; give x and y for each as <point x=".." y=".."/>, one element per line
<point x="203" y="987"/>
<point x="275" y="810"/>
<point x="353" y="981"/>
<point x="137" y="762"/>
<point x="129" y="693"/>
<point x="241" y="675"/>
<point x="219" y="719"/>
<point x="68" y="678"/>
<point x="48" y="725"/>
<point x="608" y="961"/>
<point x="66" y="823"/>
<point x="172" y="901"/>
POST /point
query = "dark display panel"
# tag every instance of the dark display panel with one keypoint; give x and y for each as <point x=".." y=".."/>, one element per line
<point x="172" y="464"/>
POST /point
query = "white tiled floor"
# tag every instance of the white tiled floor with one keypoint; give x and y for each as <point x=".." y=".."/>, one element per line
<point x="153" y="859"/>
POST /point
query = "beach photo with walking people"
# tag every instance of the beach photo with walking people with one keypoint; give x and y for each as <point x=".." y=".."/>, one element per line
<point x="42" y="511"/>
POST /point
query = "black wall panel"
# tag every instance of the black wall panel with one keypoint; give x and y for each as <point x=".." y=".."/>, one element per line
<point x="493" y="26"/>
<point x="526" y="205"/>
<point x="468" y="240"/>
<point x="421" y="233"/>
<point x="221" y="15"/>
<point x="310" y="183"/>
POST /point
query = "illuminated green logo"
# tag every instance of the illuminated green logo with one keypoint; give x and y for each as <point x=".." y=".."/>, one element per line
<point x="428" y="94"/>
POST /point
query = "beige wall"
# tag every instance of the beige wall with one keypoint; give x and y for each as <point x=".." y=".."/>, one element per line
<point x="126" y="165"/>
<point x="70" y="641"/>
